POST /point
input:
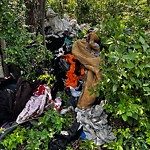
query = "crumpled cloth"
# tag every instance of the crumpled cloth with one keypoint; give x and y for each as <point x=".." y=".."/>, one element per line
<point x="37" y="103"/>
<point x="95" y="124"/>
<point x="74" y="92"/>
<point x="73" y="79"/>
<point x="57" y="103"/>
<point x="83" y="52"/>
<point x="57" y="24"/>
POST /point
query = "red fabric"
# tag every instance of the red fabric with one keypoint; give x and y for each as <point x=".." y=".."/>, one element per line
<point x="56" y="106"/>
<point x="40" y="90"/>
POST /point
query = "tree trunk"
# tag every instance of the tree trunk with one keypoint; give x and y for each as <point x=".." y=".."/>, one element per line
<point x="31" y="15"/>
<point x="4" y="71"/>
<point x="41" y="16"/>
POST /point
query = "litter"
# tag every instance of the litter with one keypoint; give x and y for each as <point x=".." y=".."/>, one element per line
<point x="76" y="68"/>
<point x="95" y="124"/>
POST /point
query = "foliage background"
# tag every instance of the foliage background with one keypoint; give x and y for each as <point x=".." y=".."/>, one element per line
<point x="124" y="28"/>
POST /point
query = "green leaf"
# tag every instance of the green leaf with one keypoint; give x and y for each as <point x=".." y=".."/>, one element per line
<point x="142" y="40"/>
<point x="145" y="46"/>
<point x="135" y="116"/>
<point x="146" y="89"/>
<point x="137" y="72"/>
<point x="132" y="55"/>
<point x="137" y="46"/>
<point x="147" y="65"/>
<point x="126" y="57"/>
<point x="133" y="80"/>
<point x="141" y="66"/>
<point x="119" y="147"/>
<point x="129" y="114"/>
<point x="124" y="117"/>
<point x="114" y="88"/>
<point x="124" y="73"/>
<point x="129" y="65"/>
<point x="146" y="84"/>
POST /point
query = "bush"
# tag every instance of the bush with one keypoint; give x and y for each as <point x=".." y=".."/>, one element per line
<point x="125" y="82"/>
<point x="18" y="40"/>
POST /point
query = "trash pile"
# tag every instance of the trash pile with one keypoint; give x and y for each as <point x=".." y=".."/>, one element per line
<point x="76" y="68"/>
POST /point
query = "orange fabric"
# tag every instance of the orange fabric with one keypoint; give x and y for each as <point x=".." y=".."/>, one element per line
<point x="72" y="78"/>
<point x="82" y="73"/>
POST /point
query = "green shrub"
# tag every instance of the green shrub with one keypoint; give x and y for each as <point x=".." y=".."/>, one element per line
<point x="87" y="145"/>
<point x="43" y="131"/>
<point x="14" y="32"/>
<point x="125" y="84"/>
<point x="14" y="139"/>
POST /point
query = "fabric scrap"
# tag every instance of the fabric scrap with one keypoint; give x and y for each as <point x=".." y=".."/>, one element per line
<point x="95" y="124"/>
<point x="72" y="79"/>
<point x="38" y="102"/>
<point x="57" y="103"/>
<point x="74" y="92"/>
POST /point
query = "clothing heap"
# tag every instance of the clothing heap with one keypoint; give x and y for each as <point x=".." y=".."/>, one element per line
<point x="76" y="67"/>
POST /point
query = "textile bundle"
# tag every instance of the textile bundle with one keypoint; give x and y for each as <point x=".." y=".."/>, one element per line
<point x="95" y="124"/>
<point x="38" y="102"/>
<point x="83" y="49"/>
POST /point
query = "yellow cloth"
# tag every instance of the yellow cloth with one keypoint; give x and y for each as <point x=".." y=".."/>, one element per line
<point x="82" y="50"/>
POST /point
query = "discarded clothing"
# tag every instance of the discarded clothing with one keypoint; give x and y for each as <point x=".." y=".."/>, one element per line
<point x="57" y="103"/>
<point x="82" y="50"/>
<point x="95" y="127"/>
<point x="8" y="84"/>
<point x="64" y="111"/>
<point x="74" y="92"/>
<point x="72" y="101"/>
<point x="57" y="24"/>
<point x="61" y="140"/>
<point x="35" y="106"/>
<point x="7" y="97"/>
<point x="72" y="78"/>
<point x="54" y="42"/>
<point x="24" y="91"/>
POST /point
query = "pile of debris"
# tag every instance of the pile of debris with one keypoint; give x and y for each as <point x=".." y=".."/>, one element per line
<point x="76" y="68"/>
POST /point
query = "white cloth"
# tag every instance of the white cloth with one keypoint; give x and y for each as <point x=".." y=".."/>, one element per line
<point x="57" y="24"/>
<point x="35" y="106"/>
<point x="74" y="93"/>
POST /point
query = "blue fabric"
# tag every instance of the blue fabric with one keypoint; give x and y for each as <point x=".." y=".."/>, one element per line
<point x="83" y="136"/>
